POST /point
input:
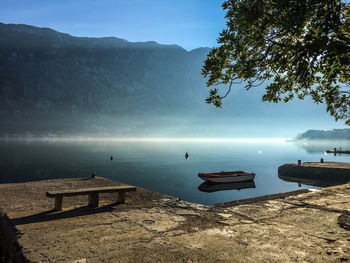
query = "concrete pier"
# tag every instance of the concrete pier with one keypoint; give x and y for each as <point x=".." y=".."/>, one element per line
<point x="316" y="173"/>
<point x="151" y="227"/>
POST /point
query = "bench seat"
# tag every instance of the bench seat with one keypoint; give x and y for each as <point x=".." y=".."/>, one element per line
<point x="91" y="192"/>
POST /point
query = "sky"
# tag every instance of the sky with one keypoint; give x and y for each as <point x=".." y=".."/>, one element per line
<point x="188" y="23"/>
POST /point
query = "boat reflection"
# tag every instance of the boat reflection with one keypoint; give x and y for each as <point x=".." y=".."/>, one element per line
<point x="213" y="187"/>
<point x="312" y="180"/>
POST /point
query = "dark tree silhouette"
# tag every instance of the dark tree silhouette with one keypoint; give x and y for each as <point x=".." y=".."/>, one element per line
<point x="294" y="48"/>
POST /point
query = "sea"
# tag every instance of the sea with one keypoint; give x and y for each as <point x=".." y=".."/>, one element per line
<point x="160" y="165"/>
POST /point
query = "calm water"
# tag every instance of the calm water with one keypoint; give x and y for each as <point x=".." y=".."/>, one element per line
<point x="161" y="166"/>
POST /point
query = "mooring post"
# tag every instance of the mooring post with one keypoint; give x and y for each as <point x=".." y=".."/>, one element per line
<point x="299" y="162"/>
<point x="321" y="160"/>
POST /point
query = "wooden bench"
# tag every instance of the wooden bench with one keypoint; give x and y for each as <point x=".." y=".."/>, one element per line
<point x="91" y="192"/>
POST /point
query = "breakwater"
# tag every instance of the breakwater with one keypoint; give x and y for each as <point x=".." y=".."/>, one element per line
<point x="316" y="173"/>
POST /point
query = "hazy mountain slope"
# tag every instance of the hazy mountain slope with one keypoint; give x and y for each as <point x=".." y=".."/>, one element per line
<point x="54" y="82"/>
<point x="45" y="75"/>
<point x="335" y="134"/>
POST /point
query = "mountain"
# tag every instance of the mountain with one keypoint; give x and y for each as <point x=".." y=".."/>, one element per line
<point x="335" y="134"/>
<point x="47" y="76"/>
<point x="52" y="82"/>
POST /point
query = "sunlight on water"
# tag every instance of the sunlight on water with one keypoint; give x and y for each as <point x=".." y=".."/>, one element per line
<point x="160" y="164"/>
<point x="114" y="139"/>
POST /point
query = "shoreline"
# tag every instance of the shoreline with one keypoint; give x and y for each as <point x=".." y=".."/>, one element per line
<point x="66" y="138"/>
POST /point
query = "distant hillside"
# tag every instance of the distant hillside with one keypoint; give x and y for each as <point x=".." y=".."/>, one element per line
<point x="51" y="82"/>
<point x="47" y="76"/>
<point x="335" y="134"/>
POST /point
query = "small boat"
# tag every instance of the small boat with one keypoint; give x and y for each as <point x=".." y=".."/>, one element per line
<point x="227" y="177"/>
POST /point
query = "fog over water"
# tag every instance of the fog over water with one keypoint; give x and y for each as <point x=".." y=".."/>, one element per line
<point x="160" y="165"/>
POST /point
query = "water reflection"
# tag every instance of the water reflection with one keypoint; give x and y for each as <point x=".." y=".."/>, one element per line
<point x="213" y="187"/>
<point x="159" y="166"/>
<point x="320" y="146"/>
<point x="315" y="180"/>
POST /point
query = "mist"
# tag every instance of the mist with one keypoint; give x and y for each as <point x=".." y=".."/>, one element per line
<point x="74" y="86"/>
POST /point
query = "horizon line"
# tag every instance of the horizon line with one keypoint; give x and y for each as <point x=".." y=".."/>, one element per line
<point x="144" y="139"/>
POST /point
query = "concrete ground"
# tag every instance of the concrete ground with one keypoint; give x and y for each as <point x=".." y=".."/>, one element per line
<point x="151" y="227"/>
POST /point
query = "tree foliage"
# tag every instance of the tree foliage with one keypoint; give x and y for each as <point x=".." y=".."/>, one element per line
<point x="296" y="48"/>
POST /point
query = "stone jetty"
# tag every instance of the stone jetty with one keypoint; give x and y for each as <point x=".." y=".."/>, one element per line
<point x="305" y="226"/>
<point x="316" y="173"/>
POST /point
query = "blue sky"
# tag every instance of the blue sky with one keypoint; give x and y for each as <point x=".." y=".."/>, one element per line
<point x="188" y="23"/>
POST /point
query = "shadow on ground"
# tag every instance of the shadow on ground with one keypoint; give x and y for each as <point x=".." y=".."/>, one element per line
<point x="55" y="215"/>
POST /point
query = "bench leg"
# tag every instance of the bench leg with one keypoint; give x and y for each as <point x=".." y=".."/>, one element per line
<point x="121" y="197"/>
<point x="93" y="199"/>
<point x="58" y="203"/>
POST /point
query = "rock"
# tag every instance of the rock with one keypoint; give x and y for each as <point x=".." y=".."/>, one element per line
<point x="344" y="221"/>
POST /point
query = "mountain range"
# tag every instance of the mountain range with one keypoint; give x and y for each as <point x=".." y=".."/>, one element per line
<point x="335" y="134"/>
<point x="55" y="83"/>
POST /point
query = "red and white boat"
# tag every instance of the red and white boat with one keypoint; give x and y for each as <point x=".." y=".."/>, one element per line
<point x="227" y="177"/>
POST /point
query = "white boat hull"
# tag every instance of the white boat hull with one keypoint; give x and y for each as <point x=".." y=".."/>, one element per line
<point x="229" y="179"/>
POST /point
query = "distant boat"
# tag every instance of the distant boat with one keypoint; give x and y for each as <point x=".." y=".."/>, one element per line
<point x="213" y="187"/>
<point x="187" y="155"/>
<point x="227" y="177"/>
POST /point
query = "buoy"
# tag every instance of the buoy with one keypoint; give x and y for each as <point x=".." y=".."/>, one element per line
<point x="187" y="156"/>
<point x="112" y="158"/>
